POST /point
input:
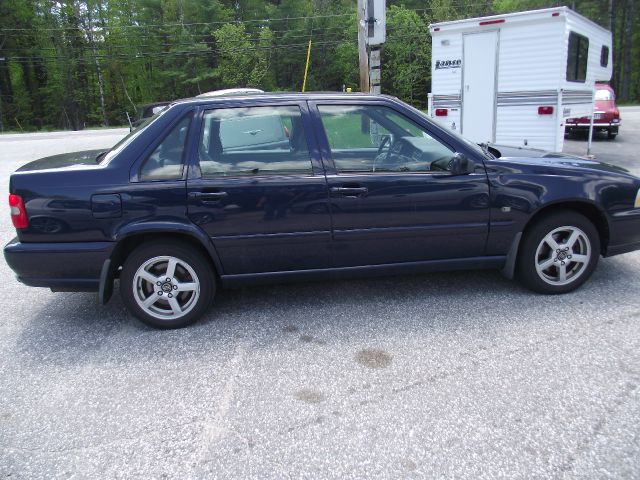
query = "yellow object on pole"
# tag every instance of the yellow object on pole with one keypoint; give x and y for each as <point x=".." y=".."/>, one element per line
<point x="306" y="67"/>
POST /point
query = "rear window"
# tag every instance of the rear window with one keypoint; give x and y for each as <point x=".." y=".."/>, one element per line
<point x="577" y="58"/>
<point x="165" y="162"/>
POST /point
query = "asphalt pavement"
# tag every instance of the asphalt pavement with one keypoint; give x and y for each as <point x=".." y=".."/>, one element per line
<point x="623" y="151"/>
<point x="449" y="375"/>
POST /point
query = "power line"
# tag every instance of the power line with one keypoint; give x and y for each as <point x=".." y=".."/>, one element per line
<point x="180" y="24"/>
<point x="187" y="53"/>
<point x="111" y="40"/>
<point x="119" y="56"/>
<point x="222" y="22"/>
<point x="174" y="44"/>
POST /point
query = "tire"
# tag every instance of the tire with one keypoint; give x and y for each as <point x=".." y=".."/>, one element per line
<point x="611" y="135"/>
<point x="182" y="297"/>
<point x="540" y="268"/>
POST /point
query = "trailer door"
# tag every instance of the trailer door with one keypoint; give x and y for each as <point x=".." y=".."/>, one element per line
<point x="479" y="86"/>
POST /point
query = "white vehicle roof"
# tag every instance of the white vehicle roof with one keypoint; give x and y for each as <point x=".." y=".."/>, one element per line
<point x="230" y="91"/>
<point x="544" y="14"/>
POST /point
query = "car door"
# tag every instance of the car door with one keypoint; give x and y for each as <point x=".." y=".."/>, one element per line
<point x="258" y="188"/>
<point x="393" y="196"/>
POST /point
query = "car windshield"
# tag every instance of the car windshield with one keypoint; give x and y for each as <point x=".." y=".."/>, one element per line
<point x="604" y="94"/>
<point x="480" y="150"/>
<point x="107" y="155"/>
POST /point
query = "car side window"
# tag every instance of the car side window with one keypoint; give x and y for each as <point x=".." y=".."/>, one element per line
<point x="166" y="161"/>
<point x="371" y="138"/>
<point x="253" y="141"/>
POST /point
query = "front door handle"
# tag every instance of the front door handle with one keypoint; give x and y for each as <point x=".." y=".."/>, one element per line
<point x="349" y="191"/>
<point x="208" y="195"/>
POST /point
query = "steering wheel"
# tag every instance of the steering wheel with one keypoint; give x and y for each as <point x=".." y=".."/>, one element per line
<point x="385" y="139"/>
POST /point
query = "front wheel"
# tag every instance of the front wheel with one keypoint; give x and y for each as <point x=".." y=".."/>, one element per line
<point x="559" y="253"/>
<point x="167" y="284"/>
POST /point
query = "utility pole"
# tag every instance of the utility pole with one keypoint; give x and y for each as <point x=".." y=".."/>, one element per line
<point x="374" y="70"/>
<point x="363" y="56"/>
<point x="1" y="124"/>
<point x="610" y="12"/>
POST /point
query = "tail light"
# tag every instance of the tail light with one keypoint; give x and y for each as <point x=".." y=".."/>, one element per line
<point x="18" y="212"/>
<point x="441" y="112"/>
<point x="545" y="110"/>
<point x="492" y="22"/>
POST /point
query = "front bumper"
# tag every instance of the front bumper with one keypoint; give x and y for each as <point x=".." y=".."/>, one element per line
<point x="72" y="266"/>
<point x="624" y="232"/>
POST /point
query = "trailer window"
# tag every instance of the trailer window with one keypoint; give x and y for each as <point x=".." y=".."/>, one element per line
<point x="577" y="58"/>
<point x="604" y="56"/>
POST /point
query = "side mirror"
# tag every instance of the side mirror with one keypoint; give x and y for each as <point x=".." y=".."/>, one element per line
<point x="461" y="165"/>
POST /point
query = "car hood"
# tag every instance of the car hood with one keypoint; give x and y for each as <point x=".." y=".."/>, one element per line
<point x="508" y="151"/>
<point x="64" y="160"/>
<point x="540" y="158"/>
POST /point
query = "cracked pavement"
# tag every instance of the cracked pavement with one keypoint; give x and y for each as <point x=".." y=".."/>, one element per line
<point x="454" y="375"/>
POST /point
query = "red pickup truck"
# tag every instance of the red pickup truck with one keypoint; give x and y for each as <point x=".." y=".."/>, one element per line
<point x="606" y="114"/>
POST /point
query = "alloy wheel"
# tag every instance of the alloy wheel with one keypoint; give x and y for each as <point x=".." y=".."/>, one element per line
<point x="166" y="287"/>
<point x="563" y="255"/>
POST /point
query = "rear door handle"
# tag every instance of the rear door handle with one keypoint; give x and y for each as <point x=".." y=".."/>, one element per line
<point x="349" y="191"/>
<point x="208" y="195"/>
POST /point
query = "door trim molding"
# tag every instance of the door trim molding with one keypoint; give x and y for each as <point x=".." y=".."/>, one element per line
<point x="471" y="263"/>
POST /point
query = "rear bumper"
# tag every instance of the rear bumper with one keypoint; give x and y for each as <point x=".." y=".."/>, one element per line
<point x="73" y="267"/>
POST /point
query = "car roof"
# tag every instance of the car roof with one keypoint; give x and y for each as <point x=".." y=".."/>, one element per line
<point x="281" y="96"/>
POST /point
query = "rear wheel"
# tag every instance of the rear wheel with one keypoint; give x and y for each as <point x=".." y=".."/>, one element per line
<point x="559" y="253"/>
<point x="611" y="135"/>
<point x="167" y="284"/>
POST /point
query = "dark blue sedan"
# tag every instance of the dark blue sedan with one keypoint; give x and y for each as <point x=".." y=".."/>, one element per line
<point x="270" y="187"/>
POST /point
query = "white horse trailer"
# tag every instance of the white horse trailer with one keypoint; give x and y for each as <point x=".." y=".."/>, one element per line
<point x="513" y="79"/>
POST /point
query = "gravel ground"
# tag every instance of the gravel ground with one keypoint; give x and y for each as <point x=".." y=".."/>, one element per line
<point x="463" y="375"/>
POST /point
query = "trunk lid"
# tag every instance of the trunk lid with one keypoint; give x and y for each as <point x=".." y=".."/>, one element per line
<point x="63" y="161"/>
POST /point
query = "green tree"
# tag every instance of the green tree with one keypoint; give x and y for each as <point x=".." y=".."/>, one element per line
<point x="406" y="59"/>
<point x="243" y="60"/>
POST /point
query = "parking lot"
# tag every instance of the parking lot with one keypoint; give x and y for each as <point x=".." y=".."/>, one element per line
<point x="441" y="375"/>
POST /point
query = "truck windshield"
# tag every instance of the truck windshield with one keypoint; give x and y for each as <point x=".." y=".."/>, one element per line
<point x="604" y="95"/>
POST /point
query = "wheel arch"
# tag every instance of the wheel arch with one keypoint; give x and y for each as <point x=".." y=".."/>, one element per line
<point x="130" y="240"/>
<point x="587" y="208"/>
